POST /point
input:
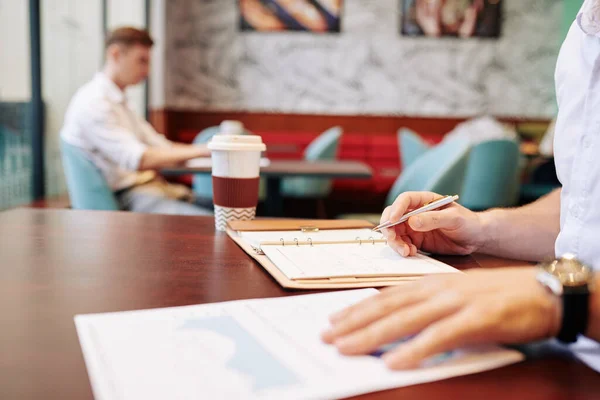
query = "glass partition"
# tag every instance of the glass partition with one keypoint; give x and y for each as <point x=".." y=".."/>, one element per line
<point x="15" y="96"/>
<point x="72" y="52"/>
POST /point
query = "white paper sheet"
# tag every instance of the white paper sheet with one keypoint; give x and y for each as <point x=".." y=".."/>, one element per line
<point x="588" y="351"/>
<point x="350" y="260"/>
<point x="259" y="349"/>
<point x="201" y="162"/>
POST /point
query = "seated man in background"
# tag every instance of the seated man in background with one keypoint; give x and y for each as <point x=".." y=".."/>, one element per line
<point x="124" y="147"/>
<point x="504" y="305"/>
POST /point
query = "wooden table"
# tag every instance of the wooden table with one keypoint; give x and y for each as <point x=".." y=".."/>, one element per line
<point x="58" y="263"/>
<point x="277" y="170"/>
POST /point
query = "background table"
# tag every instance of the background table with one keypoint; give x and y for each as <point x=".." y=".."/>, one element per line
<point x="58" y="263"/>
<point x="277" y="170"/>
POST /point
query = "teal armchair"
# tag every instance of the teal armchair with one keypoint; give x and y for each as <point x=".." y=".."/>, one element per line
<point x="87" y="187"/>
<point x="412" y="146"/>
<point x="492" y="176"/>
<point x="324" y="147"/>
<point x="202" y="184"/>
<point x="440" y="169"/>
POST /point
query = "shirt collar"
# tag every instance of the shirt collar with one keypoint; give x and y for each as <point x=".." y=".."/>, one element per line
<point x="110" y="88"/>
<point x="589" y="17"/>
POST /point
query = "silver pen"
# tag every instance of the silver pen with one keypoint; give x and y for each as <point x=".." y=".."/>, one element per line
<point x="444" y="201"/>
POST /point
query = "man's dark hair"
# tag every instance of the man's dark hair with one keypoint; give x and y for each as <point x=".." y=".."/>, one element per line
<point x="129" y="36"/>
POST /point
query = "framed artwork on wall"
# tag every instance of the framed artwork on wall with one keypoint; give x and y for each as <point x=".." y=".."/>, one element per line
<point x="452" y="18"/>
<point x="290" y="15"/>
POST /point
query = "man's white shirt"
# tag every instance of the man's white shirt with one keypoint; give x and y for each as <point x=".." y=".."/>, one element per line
<point x="576" y="141"/>
<point x="576" y="149"/>
<point x="99" y="121"/>
<point x="589" y="17"/>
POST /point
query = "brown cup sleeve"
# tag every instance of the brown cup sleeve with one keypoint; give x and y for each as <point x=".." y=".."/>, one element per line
<point x="235" y="192"/>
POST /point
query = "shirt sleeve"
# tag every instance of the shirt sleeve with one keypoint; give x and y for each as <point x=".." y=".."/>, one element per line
<point x="151" y="137"/>
<point x="110" y="138"/>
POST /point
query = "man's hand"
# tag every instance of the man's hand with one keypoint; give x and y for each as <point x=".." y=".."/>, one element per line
<point x="453" y="230"/>
<point x="445" y="312"/>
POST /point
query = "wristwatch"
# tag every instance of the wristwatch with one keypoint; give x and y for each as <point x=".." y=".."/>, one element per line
<point x="572" y="281"/>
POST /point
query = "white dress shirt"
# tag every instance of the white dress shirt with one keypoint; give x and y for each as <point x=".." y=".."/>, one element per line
<point x="589" y="17"/>
<point x="577" y="149"/>
<point x="99" y="121"/>
<point x="576" y="143"/>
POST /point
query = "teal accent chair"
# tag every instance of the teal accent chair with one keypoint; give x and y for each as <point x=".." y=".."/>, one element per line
<point x="87" y="187"/>
<point x="202" y="183"/>
<point x="412" y="146"/>
<point x="440" y="169"/>
<point x="324" y="147"/>
<point x="493" y="175"/>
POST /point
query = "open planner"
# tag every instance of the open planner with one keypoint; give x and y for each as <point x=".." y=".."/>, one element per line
<point x="326" y="254"/>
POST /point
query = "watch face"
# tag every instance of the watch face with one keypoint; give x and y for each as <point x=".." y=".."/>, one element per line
<point x="569" y="271"/>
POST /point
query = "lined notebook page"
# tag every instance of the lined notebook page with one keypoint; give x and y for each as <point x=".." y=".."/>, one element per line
<point x="256" y="238"/>
<point x="350" y="260"/>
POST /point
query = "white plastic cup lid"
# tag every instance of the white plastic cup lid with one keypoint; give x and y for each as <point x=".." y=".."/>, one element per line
<point x="237" y="143"/>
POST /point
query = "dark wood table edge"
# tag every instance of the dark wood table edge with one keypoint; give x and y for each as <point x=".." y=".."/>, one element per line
<point x="476" y="261"/>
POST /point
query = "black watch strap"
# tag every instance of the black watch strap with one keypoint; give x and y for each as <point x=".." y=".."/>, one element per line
<point x="575" y="315"/>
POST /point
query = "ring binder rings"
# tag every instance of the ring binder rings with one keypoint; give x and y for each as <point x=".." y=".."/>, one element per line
<point x="330" y="255"/>
<point x="311" y="242"/>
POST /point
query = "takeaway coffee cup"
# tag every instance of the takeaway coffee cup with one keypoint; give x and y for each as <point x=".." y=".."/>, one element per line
<point x="235" y="173"/>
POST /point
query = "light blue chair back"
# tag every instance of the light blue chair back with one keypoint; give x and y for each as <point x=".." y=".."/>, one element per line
<point x="205" y="135"/>
<point x="440" y="169"/>
<point x="412" y="146"/>
<point x="492" y="176"/>
<point x="87" y="187"/>
<point x="324" y="147"/>
<point x="202" y="183"/>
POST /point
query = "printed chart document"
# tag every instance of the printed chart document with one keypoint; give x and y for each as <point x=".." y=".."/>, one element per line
<point x="588" y="351"/>
<point x="251" y="349"/>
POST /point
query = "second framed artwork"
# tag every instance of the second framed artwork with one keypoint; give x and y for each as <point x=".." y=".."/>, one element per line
<point x="318" y="16"/>
<point x="452" y="18"/>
